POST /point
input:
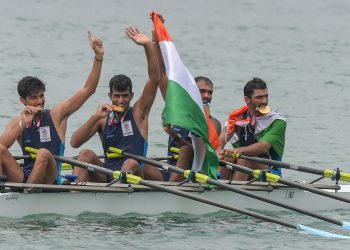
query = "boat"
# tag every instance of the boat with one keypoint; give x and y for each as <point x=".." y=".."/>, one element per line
<point x="119" y="199"/>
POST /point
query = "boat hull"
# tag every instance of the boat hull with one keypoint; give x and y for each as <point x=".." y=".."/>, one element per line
<point x="151" y="202"/>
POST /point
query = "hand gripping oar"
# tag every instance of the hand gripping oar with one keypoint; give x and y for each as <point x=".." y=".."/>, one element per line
<point x="205" y="179"/>
<point x="132" y="179"/>
<point x="266" y="176"/>
<point x="333" y="174"/>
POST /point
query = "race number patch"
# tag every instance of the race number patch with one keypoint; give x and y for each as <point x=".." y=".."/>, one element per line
<point x="45" y="134"/>
<point x="127" y="128"/>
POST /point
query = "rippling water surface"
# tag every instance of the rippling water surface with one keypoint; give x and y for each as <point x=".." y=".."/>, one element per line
<point x="300" y="48"/>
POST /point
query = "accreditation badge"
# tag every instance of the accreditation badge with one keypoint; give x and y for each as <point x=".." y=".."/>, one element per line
<point x="127" y="128"/>
<point x="44" y="133"/>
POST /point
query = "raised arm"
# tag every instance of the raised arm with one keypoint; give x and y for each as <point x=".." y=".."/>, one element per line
<point x="144" y="103"/>
<point x="69" y="106"/>
<point x="163" y="82"/>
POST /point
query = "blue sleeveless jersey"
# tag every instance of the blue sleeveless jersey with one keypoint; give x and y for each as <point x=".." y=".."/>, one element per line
<point x="42" y="134"/>
<point x="123" y="134"/>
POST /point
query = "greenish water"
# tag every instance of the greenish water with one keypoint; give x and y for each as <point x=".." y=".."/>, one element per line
<point x="300" y="48"/>
<point x="220" y="230"/>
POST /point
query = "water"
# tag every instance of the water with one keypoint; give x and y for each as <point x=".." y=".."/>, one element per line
<point x="300" y="48"/>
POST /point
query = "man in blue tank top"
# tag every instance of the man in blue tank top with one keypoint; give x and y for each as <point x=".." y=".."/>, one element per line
<point x="117" y="123"/>
<point x="44" y="129"/>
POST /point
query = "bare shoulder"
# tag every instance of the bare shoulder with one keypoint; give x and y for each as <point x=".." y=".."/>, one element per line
<point x="215" y="121"/>
<point x="13" y="122"/>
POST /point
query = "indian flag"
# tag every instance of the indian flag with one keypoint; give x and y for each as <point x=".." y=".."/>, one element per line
<point x="183" y="103"/>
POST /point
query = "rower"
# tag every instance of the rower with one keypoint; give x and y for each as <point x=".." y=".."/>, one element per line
<point x="254" y="130"/>
<point x="42" y="128"/>
<point x="180" y="137"/>
<point x="117" y="123"/>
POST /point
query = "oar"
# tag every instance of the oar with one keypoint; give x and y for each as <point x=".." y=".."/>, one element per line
<point x="66" y="166"/>
<point x="328" y="173"/>
<point x="33" y="156"/>
<point x="266" y="176"/>
<point x="278" y="179"/>
<point x="205" y="179"/>
<point x="132" y="179"/>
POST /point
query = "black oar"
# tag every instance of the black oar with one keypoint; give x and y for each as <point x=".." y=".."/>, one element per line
<point x="33" y="155"/>
<point x="205" y="179"/>
<point x="266" y="176"/>
<point x="328" y="173"/>
<point x="132" y="179"/>
<point x="277" y="179"/>
<point x="66" y="166"/>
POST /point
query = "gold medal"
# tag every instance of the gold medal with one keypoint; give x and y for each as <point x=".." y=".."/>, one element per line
<point x="118" y="109"/>
<point x="264" y="110"/>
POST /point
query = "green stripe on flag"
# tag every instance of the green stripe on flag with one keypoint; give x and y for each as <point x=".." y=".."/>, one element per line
<point x="181" y="110"/>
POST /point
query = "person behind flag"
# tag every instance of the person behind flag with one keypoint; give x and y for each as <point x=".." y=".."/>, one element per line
<point x="117" y="123"/>
<point x="254" y="130"/>
<point x="43" y="129"/>
<point x="179" y="137"/>
<point x="183" y="106"/>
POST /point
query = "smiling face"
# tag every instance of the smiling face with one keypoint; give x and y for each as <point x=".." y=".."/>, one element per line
<point x="31" y="91"/>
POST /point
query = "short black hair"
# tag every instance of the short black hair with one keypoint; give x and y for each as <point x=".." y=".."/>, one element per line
<point x="255" y="83"/>
<point x="203" y="78"/>
<point x="120" y="83"/>
<point x="29" y="85"/>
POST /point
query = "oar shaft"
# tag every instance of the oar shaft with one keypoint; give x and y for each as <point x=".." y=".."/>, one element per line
<point x="237" y="190"/>
<point x="283" y="165"/>
<point x="23" y="157"/>
<point x="94" y="168"/>
<point x="137" y="180"/>
<point x="290" y="183"/>
<point x="88" y="166"/>
<point x="213" y="203"/>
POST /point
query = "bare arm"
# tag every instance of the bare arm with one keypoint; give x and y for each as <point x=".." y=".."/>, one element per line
<point x="144" y="103"/>
<point x="217" y="124"/>
<point x="253" y="150"/>
<point x="12" y="133"/>
<point x="163" y="82"/>
<point x="91" y="126"/>
<point x="14" y="128"/>
<point x="69" y="106"/>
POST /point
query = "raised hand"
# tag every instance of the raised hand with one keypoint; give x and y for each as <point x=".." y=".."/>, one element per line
<point x="97" y="45"/>
<point x="138" y="37"/>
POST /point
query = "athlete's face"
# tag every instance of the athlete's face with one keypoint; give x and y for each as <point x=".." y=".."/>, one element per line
<point x="260" y="97"/>
<point x="121" y="98"/>
<point x="36" y="99"/>
<point x="206" y="90"/>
